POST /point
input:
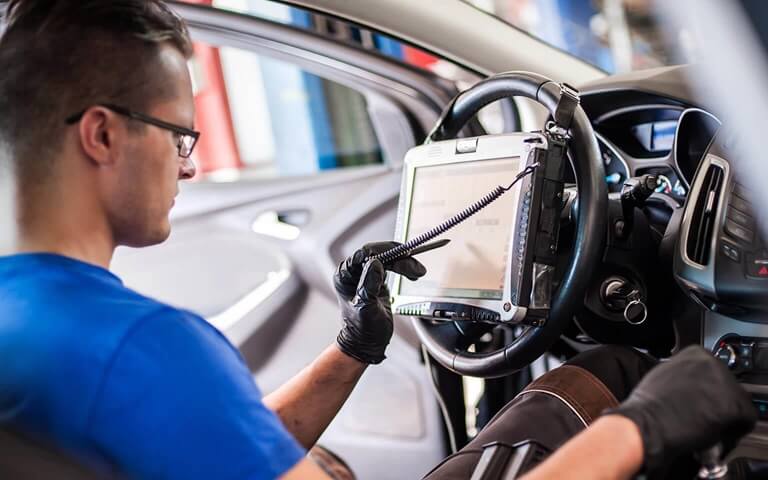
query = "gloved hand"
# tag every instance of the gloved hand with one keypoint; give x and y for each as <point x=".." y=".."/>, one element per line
<point x="364" y="299"/>
<point x="349" y="272"/>
<point x="687" y="405"/>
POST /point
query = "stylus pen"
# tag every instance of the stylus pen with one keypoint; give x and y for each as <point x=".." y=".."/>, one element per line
<point x="425" y="248"/>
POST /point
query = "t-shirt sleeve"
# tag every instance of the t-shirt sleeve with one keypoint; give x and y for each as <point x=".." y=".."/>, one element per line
<point x="178" y="402"/>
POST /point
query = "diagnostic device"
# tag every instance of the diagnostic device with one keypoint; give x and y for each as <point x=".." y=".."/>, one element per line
<point x="500" y="196"/>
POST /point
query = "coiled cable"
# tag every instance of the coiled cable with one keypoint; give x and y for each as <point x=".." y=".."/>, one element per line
<point x="404" y="249"/>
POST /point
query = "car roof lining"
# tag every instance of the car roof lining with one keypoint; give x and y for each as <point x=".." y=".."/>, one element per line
<point x="505" y="47"/>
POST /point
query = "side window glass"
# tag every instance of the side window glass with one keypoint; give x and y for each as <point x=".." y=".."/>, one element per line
<point x="265" y="118"/>
<point x="262" y="117"/>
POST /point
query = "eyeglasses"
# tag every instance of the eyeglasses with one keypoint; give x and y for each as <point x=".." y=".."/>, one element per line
<point x="187" y="138"/>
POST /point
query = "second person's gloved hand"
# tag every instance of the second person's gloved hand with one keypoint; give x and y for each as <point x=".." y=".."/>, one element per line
<point x="686" y="405"/>
<point x="364" y="299"/>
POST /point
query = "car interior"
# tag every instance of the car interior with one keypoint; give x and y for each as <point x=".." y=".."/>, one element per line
<point x="660" y="245"/>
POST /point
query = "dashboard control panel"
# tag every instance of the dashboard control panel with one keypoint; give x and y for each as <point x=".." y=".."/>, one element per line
<point x="740" y="242"/>
<point x="738" y="353"/>
<point x="721" y="259"/>
<point x="747" y="358"/>
<point x="741" y="260"/>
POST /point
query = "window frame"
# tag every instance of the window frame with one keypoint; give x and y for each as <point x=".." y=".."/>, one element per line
<point x="421" y="94"/>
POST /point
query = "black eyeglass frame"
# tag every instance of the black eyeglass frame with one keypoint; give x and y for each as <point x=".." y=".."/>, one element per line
<point x="181" y="131"/>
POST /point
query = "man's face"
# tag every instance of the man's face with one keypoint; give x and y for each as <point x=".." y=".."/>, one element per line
<point x="149" y="168"/>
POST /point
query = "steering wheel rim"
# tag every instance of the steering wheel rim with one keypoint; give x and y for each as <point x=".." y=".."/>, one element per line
<point x="442" y="339"/>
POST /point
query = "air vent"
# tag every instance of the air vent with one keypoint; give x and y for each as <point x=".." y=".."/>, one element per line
<point x="702" y="226"/>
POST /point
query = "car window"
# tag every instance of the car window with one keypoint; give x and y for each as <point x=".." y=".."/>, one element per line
<point x="266" y="118"/>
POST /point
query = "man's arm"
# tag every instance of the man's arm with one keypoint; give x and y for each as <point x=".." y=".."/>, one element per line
<point x="306" y="470"/>
<point x="618" y="456"/>
<point x="310" y="400"/>
<point x="670" y="413"/>
<point x="611" y="449"/>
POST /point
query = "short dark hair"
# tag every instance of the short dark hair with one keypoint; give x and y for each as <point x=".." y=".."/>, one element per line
<point x="60" y="56"/>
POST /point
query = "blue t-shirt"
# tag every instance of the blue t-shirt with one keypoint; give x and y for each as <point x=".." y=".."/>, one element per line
<point x="127" y="383"/>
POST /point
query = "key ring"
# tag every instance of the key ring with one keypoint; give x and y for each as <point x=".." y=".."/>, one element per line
<point x="636" y="301"/>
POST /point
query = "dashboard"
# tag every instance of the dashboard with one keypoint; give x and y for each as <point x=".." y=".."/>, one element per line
<point x="705" y="274"/>
<point x="635" y="145"/>
<point x="639" y="133"/>
<point x="710" y="239"/>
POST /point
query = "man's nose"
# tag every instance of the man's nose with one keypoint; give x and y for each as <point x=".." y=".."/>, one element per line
<point x="187" y="169"/>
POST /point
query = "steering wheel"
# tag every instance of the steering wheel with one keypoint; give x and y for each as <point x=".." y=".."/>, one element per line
<point x="444" y="341"/>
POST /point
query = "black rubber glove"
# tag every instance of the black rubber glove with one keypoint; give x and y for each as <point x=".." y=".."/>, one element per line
<point x="687" y="405"/>
<point x="364" y="299"/>
<point x="348" y="274"/>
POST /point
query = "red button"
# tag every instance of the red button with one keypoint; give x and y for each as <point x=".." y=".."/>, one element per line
<point x="757" y="266"/>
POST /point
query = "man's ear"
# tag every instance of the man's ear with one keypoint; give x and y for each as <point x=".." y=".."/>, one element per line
<point x="99" y="130"/>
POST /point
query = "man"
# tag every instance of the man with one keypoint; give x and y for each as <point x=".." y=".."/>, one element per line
<point x="96" y="126"/>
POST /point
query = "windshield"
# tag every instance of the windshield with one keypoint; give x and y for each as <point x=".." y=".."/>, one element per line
<point x="614" y="35"/>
